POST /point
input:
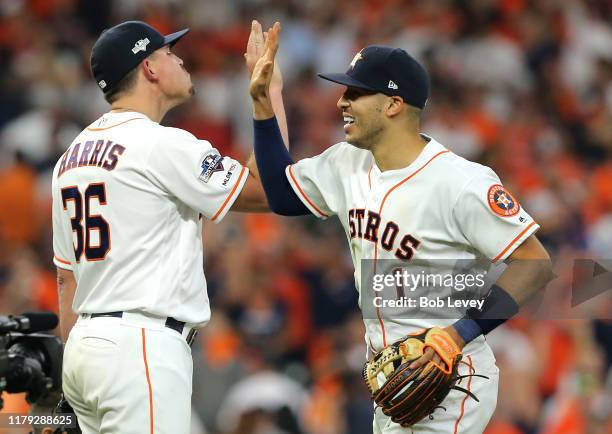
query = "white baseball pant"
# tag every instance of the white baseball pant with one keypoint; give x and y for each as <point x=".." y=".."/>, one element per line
<point x="129" y="375"/>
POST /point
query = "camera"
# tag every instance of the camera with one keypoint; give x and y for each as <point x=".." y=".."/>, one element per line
<point x="30" y="361"/>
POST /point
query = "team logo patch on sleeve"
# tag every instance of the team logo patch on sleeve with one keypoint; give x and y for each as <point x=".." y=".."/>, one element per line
<point x="212" y="163"/>
<point x="502" y="202"/>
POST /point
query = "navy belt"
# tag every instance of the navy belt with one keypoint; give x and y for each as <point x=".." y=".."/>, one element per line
<point x="171" y="323"/>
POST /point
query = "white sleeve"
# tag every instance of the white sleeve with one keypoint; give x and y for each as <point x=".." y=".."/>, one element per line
<point x="317" y="183"/>
<point x="195" y="173"/>
<point x="490" y="217"/>
<point x="63" y="249"/>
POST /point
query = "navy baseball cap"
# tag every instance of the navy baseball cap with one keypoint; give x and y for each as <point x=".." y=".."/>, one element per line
<point x="120" y="49"/>
<point x="387" y="70"/>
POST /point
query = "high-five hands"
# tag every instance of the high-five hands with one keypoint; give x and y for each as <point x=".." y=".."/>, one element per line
<point x="263" y="69"/>
<point x="254" y="51"/>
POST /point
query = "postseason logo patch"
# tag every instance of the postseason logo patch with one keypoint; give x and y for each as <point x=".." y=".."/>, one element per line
<point x="502" y="202"/>
<point x="212" y="163"/>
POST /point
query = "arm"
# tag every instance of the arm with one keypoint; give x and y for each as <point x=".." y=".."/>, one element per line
<point x="529" y="270"/>
<point x="255" y="50"/>
<point x="66" y="286"/>
<point x="252" y="198"/>
<point x="276" y="99"/>
<point x="271" y="156"/>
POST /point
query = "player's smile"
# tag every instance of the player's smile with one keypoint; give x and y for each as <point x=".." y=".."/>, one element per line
<point x="348" y="122"/>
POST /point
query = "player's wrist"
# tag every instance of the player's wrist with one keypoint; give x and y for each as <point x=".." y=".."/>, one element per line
<point x="262" y="108"/>
<point x="466" y="329"/>
<point x="453" y="333"/>
<point x="260" y="96"/>
<point x="497" y="308"/>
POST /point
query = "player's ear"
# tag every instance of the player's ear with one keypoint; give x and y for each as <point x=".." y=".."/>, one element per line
<point x="395" y="105"/>
<point x="149" y="70"/>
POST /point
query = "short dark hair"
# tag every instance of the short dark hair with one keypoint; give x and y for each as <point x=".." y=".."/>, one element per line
<point x="124" y="85"/>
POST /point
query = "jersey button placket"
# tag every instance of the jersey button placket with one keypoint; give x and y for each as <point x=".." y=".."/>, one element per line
<point x="372" y="204"/>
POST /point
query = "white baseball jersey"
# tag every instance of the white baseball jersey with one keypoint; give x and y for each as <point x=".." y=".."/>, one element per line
<point x="129" y="196"/>
<point x="441" y="206"/>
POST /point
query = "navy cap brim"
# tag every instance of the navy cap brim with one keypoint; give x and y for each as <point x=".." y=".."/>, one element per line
<point x="173" y="38"/>
<point x="346" y="80"/>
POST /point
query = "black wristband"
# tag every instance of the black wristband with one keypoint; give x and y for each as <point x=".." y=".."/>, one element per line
<point x="497" y="308"/>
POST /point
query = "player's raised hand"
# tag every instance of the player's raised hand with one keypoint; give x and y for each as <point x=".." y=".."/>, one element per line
<point x="255" y="46"/>
<point x="264" y="67"/>
<point x="254" y="51"/>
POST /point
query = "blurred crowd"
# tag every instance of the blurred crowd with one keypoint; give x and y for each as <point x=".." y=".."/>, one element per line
<point x="522" y="86"/>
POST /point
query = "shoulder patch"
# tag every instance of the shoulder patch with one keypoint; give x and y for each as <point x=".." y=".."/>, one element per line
<point x="502" y="202"/>
<point x="212" y="163"/>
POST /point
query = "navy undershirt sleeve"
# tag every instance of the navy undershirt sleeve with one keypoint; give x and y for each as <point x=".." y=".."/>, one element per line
<point x="272" y="158"/>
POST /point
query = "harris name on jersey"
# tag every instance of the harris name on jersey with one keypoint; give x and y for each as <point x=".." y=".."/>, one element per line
<point x="101" y="153"/>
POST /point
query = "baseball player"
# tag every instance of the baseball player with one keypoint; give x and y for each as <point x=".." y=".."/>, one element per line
<point x="401" y="195"/>
<point x="129" y="199"/>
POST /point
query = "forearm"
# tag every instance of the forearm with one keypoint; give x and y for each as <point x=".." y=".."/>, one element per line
<point x="276" y="101"/>
<point x="252" y="197"/>
<point x="529" y="270"/>
<point x="66" y="286"/>
<point x="252" y="165"/>
<point x="272" y="159"/>
<point x="278" y="106"/>
<point x="271" y="153"/>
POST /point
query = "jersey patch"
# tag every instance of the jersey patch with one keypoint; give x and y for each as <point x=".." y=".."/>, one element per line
<point x="211" y="164"/>
<point x="502" y="202"/>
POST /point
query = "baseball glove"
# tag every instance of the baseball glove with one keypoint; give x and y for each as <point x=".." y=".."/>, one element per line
<point x="408" y="395"/>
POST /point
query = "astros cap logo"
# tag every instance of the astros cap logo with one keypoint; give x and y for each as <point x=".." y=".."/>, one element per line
<point x="357" y="58"/>
<point x="502" y="202"/>
<point x="141" y="45"/>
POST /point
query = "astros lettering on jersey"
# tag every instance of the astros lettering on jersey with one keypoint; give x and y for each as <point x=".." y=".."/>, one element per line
<point x="132" y="193"/>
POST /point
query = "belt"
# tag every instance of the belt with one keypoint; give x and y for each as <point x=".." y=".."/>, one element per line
<point x="171" y="323"/>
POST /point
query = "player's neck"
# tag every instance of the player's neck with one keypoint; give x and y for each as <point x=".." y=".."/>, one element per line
<point x="397" y="152"/>
<point x="154" y="108"/>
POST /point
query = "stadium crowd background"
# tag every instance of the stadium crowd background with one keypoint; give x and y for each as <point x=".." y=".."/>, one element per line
<point x="525" y="87"/>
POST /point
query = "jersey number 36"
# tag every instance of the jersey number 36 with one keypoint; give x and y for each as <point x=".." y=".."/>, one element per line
<point x="92" y="222"/>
